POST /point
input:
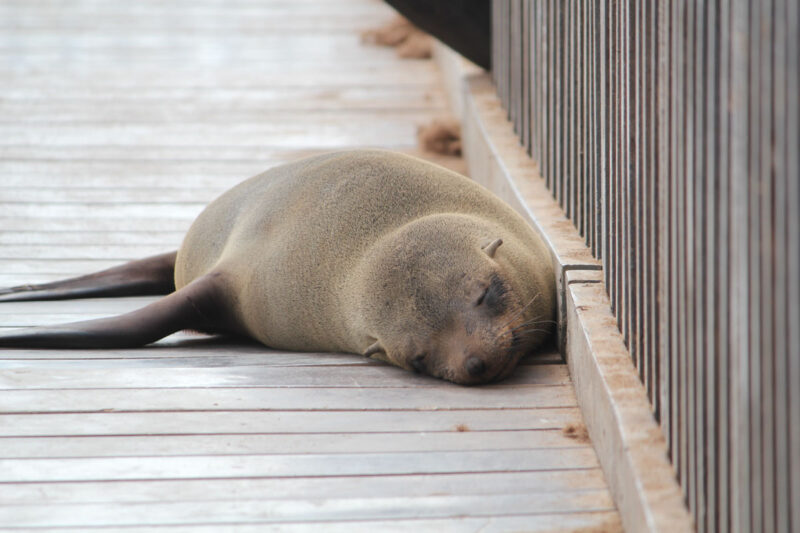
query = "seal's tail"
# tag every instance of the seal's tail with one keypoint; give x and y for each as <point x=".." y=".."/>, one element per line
<point x="152" y="275"/>
<point x="195" y="306"/>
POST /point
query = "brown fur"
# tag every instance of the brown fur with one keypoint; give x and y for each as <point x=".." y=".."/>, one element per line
<point x="393" y="33"/>
<point x="577" y="431"/>
<point x="352" y="250"/>
<point x="418" y="45"/>
<point x="411" y="43"/>
<point x="441" y="136"/>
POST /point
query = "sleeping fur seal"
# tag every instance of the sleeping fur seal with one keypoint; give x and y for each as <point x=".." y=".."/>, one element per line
<point x="366" y="251"/>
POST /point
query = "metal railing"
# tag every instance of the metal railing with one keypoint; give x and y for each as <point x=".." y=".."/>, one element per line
<point x="669" y="132"/>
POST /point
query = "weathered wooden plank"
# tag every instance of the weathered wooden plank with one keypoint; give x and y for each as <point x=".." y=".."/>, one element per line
<point x="108" y="116"/>
<point x="179" y="445"/>
<point x="151" y="166"/>
<point x="83" y="306"/>
<point x="294" y="465"/>
<point x="574" y="521"/>
<point x="59" y="268"/>
<point x="289" y="74"/>
<point x="311" y="487"/>
<point x="176" y="356"/>
<point x="188" y="351"/>
<point x="317" y="133"/>
<point x="90" y="238"/>
<point x="260" y="157"/>
<point x="258" y="421"/>
<point x="170" y="194"/>
<point x="57" y="251"/>
<point x="308" y="511"/>
<point x="128" y="212"/>
<point x="279" y="397"/>
<point x="349" y="376"/>
<point x="69" y="100"/>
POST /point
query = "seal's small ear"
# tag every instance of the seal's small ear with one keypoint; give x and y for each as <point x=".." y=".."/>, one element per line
<point x="492" y="247"/>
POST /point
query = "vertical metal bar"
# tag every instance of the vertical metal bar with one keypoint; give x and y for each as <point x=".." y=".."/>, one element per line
<point x="499" y="65"/>
<point x="724" y="426"/>
<point x="538" y="39"/>
<point x="613" y="185"/>
<point x="501" y="49"/>
<point x="567" y="90"/>
<point x="766" y="320"/>
<point x="614" y="155"/>
<point x="678" y="453"/>
<point x="740" y="294"/>
<point x="495" y="22"/>
<point x="540" y="83"/>
<point x="620" y="167"/>
<point x="685" y="248"/>
<point x="622" y="163"/>
<point x="662" y="206"/>
<point x="557" y="102"/>
<point x="710" y="348"/>
<point x="514" y="64"/>
<point x="688" y="256"/>
<point x="640" y="177"/>
<point x="508" y="57"/>
<point x="664" y="231"/>
<point x="506" y="48"/>
<point x="755" y="133"/>
<point x="533" y="68"/>
<point x="550" y="101"/>
<point x="561" y="105"/>
<point x="653" y="60"/>
<point x="780" y="333"/>
<point x="701" y="258"/>
<point x="568" y="137"/>
<point x="526" y="75"/>
<point x="780" y="330"/>
<point x="604" y="84"/>
<point x="589" y="125"/>
<point x="583" y="119"/>
<point x="792" y="21"/>
<point x="788" y="143"/>
<point x="576" y="136"/>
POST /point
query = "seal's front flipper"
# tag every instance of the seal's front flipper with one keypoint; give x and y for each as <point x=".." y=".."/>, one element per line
<point x="196" y="306"/>
<point x="152" y="275"/>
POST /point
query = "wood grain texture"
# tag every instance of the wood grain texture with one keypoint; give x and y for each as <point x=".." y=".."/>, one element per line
<point x="119" y="122"/>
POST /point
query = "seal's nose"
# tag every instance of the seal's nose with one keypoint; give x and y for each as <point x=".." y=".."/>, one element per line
<point x="475" y="366"/>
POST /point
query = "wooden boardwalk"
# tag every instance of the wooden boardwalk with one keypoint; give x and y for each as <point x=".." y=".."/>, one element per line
<point x="119" y="121"/>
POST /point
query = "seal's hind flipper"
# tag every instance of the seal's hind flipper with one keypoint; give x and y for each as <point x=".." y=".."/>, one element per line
<point x="148" y="276"/>
<point x="195" y="306"/>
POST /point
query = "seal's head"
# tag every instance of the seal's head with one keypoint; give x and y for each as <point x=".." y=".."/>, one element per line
<point x="447" y="295"/>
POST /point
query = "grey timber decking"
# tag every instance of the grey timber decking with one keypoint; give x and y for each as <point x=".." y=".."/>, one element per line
<point x="119" y="121"/>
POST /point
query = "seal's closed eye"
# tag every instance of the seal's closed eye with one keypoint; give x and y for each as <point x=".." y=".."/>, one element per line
<point x="493" y="296"/>
<point x="482" y="297"/>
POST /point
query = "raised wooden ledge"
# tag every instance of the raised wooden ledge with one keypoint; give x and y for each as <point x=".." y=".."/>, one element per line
<point x="629" y="443"/>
